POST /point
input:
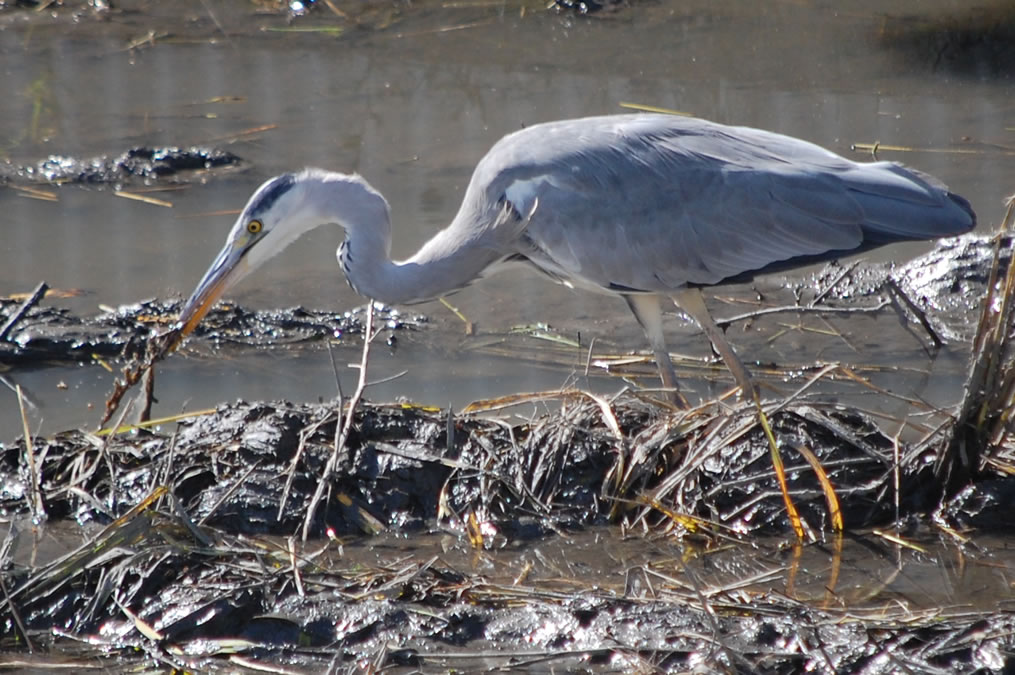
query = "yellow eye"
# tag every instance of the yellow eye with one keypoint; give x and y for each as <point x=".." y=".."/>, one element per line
<point x="254" y="227"/>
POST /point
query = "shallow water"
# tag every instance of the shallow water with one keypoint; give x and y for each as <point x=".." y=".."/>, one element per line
<point x="411" y="100"/>
<point x="872" y="575"/>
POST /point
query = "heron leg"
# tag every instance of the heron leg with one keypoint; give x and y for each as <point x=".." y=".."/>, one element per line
<point x="648" y="312"/>
<point x="690" y="301"/>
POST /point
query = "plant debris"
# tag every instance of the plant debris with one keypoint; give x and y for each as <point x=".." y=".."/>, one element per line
<point x="186" y="518"/>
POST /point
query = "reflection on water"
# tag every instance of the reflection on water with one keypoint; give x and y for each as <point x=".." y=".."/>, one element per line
<point x="858" y="575"/>
<point x="412" y="107"/>
<point x="861" y="574"/>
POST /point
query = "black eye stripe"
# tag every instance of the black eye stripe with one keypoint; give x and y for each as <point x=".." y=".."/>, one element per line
<point x="271" y="192"/>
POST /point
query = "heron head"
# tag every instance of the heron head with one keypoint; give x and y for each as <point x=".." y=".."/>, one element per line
<point x="273" y="217"/>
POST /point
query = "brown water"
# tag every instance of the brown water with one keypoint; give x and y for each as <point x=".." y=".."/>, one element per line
<point x="411" y="101"/>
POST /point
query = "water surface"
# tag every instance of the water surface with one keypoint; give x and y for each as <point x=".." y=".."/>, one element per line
<point x="411" y="100"/>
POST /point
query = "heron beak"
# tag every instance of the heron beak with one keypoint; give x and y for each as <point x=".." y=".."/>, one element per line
<point x="229" y="267"/>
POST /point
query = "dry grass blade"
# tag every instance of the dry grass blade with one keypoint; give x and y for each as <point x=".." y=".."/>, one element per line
<point x="511" y="400"/>
<point x="896" y="539"/>
<point x="688" y="522"/>
<point x="36" y="193"/>
<point x="142" y="626"/>
<point x="470" y="329"/>
<point x="780" y="471"/>
<point x="143" y="198"/>
<point x="873" y="149"/>
<point x="643" y="107"/>
<point x="831" y="499"/>
<point x="157" y="422"/>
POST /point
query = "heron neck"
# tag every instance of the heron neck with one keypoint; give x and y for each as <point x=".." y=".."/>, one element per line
<point x="442" y="265"/>
<point x="454" y="257"/>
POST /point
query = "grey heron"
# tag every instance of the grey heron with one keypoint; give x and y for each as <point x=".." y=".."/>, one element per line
<point x="646" y="207"/>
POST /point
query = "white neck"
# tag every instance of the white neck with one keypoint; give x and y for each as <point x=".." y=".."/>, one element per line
<point x="447" y="262"/>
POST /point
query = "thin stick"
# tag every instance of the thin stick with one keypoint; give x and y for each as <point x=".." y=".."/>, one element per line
<point x="291" y="550"/>
<point x="805" y="309"/>
<point x="920" y="315"/>
<point x="19" y="313"/>
<point x="835" y="282"/>
<point x="896" y="471"/>
<point x="311" y="429"/>
<point x="344" y="424"/>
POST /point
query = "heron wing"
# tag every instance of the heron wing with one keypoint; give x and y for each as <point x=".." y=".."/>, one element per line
<point x="656" y="202"/>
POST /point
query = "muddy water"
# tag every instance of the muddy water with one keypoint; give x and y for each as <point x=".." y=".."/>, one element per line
<point x="875" y="575"/>
<point x="411" y="99"/>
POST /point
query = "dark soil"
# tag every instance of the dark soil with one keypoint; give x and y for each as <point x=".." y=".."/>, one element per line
<point x="184" y="514"/>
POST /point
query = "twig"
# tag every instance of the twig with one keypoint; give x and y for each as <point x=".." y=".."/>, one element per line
<point x="803" y="310"/>
<point x="148" y="382"/>
<point x="897" y="475"/>
<point x="291" y="550"/>
<point x="835" y="282"/>
<point x="230" y="492"/>
<point x="19" y="313"/>
<point x="156" y="348"/>
<point x="306" y="433"/>
<point x="921" y="316"/>
<point x="343" y="426"/>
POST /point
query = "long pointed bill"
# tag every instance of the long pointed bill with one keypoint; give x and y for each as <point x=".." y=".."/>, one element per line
<point x="229" y="267"/>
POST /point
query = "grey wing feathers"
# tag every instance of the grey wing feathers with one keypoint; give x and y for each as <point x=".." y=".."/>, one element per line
<point x="656" y="202"/>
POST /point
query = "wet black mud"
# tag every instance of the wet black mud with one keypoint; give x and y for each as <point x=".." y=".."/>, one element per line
<point x="48" y="335"/>
<point x="203" y="585"/>
<point x="945" y="285"/>
<point x="135" y="165"/>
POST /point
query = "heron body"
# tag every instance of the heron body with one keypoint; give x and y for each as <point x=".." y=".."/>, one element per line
<point x="646" y="207"/>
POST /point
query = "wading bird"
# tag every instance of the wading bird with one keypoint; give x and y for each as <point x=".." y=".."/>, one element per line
<point x="645" y="207"/>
